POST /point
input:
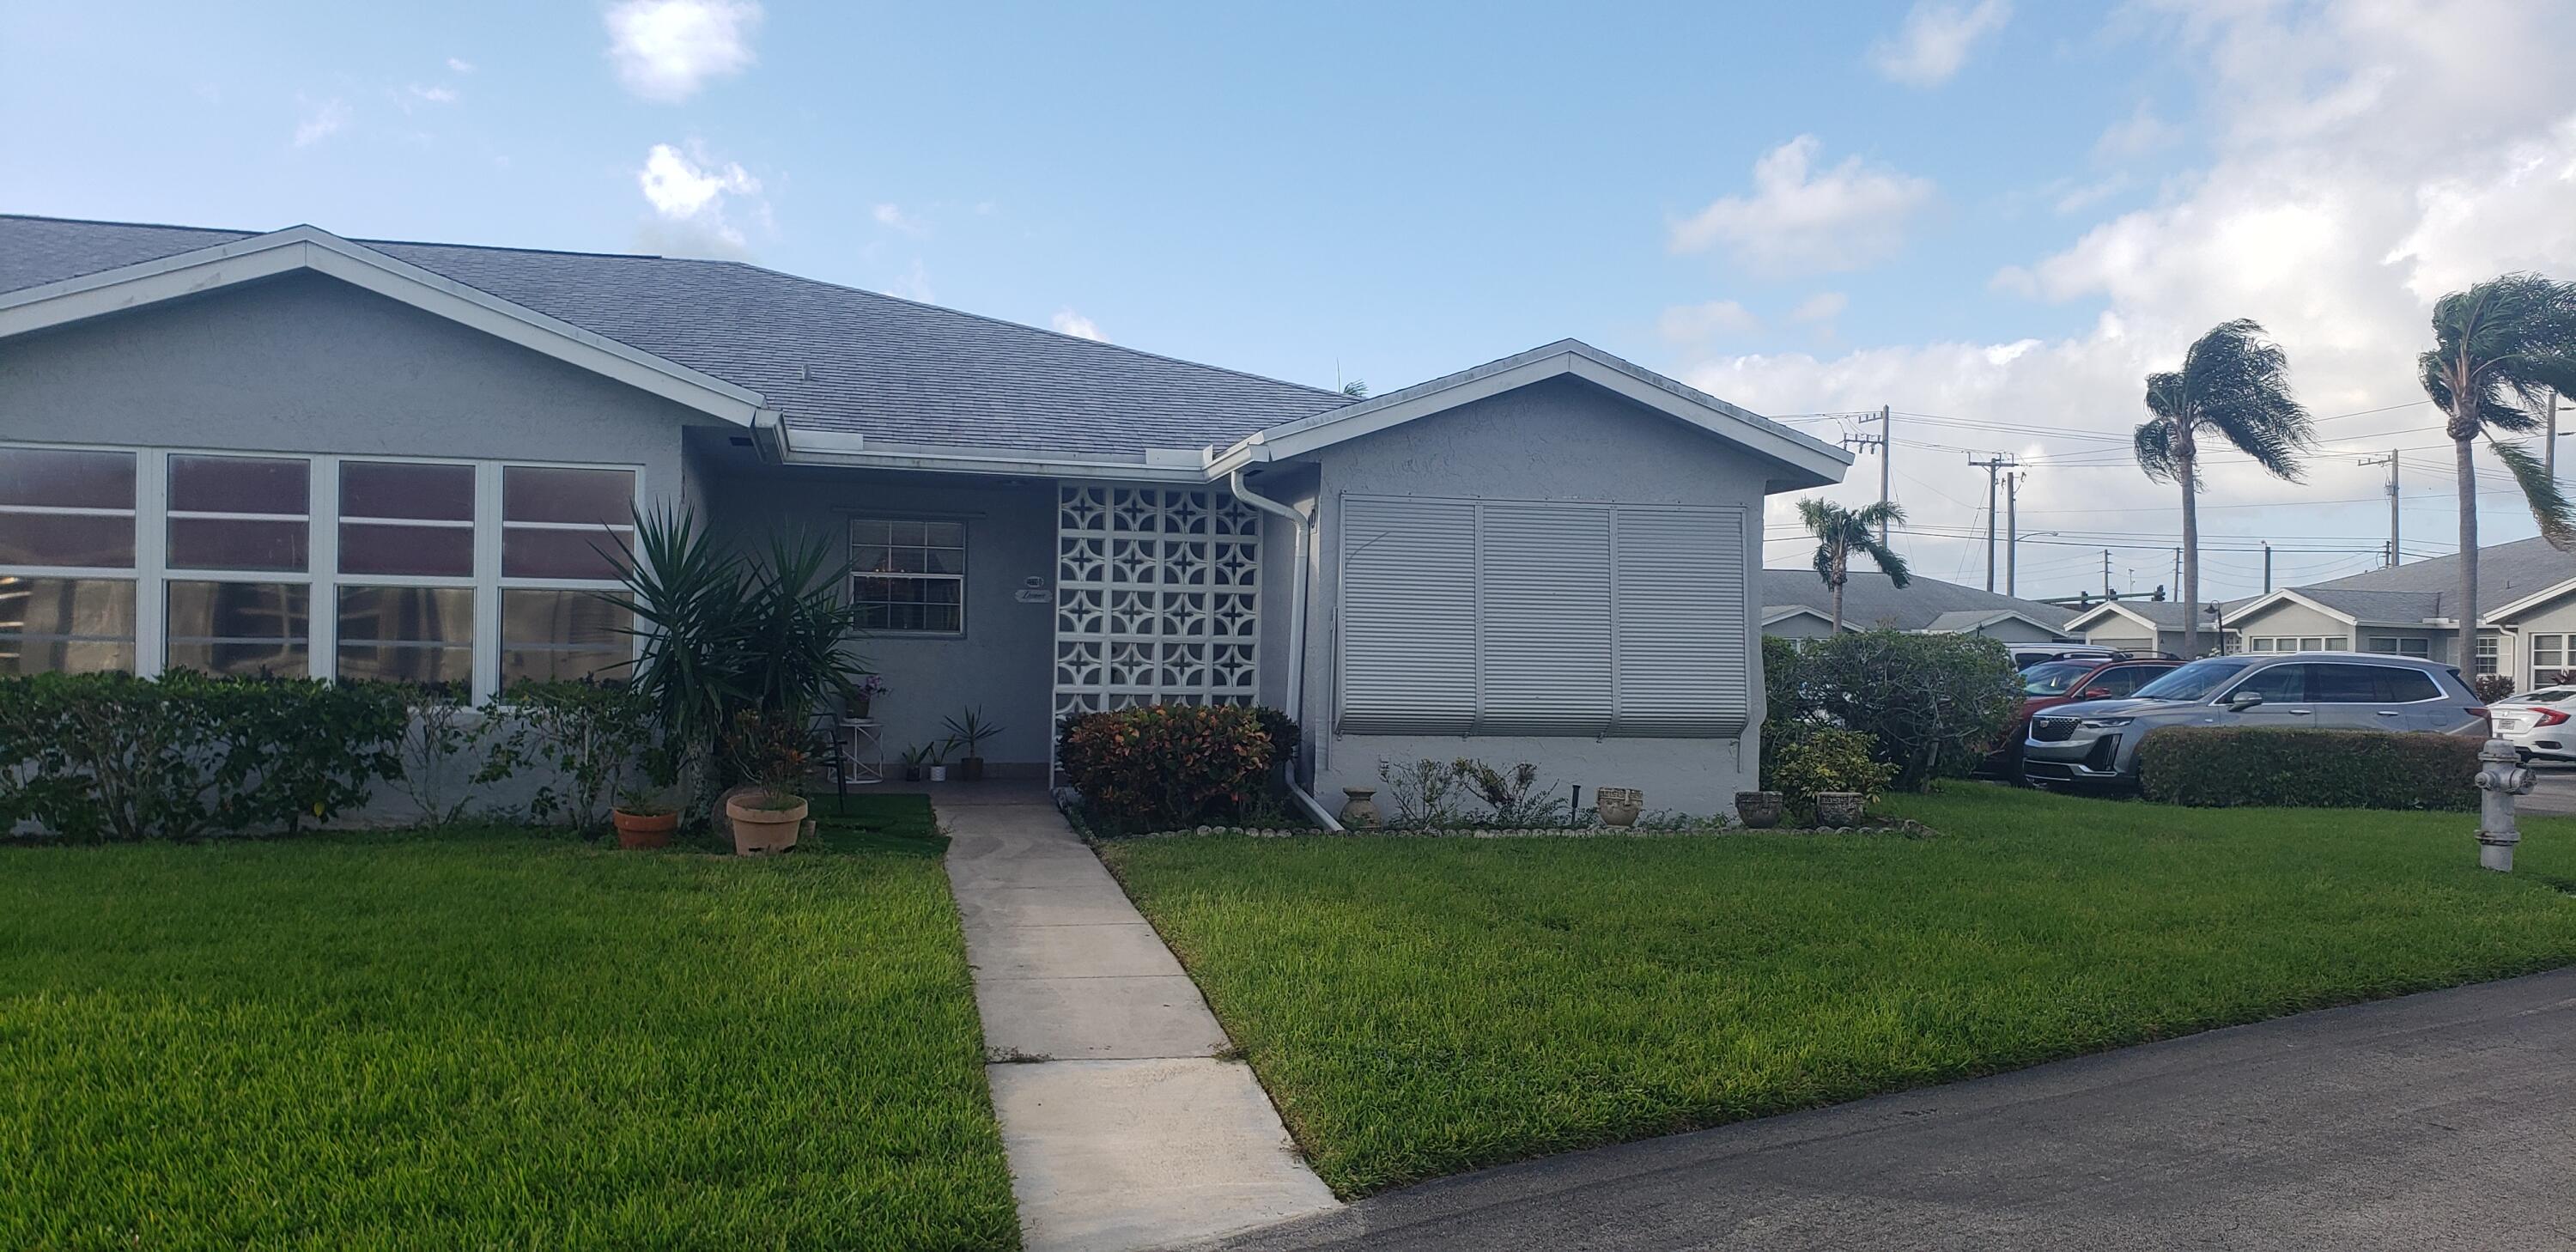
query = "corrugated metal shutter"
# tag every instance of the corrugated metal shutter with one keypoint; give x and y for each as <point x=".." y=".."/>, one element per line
<point x="1547" y="618"/>
<point x="1408" y="616"/>
<point x="1683" y="668"/>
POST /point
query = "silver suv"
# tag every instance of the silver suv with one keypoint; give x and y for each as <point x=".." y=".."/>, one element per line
<point x="2098" y="742"/>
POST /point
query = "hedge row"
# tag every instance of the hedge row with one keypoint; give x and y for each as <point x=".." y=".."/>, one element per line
<point x="2236" y="767"/>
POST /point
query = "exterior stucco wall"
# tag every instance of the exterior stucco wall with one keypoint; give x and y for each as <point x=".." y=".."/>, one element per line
<point x="1800" y="627"/>
<point x="2123" y="643"/>
<point x="1559" y="441"/>
<point x="2291" y="621"/>
<point x="2015" y="631"/>
<point x="1004" y="662"/>
<point x="308" y="364"/>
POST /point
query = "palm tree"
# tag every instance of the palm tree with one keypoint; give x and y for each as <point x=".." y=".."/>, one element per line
<point x="2235" y="384"/>
<point x="1840" y="532"/>
<point x="2512" y="336"/>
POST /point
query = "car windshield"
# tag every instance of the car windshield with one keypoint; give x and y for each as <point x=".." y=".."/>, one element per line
<point x="2197" y="680"/>
<point x="2055" y="678"/>
<point x="2546" y="695"/>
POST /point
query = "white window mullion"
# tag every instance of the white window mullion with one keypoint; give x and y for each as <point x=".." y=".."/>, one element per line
<point x="487" y="581"/>
<point x="151" y="560"/>
<point x="323" y="559"/>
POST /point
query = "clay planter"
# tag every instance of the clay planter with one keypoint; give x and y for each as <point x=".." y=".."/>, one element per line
<point x="644" y="830"/>
<point x="1359" y="809"/>
<point x="1618" y="806"/>
<point x="1758" y="810"/>
<point x="970" y="769"/>
<point x="1838" y="808"/>
<point x="762" y="830"/>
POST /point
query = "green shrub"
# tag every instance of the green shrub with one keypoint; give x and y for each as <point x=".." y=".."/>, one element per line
<point x="94" y="757"/>
<point x="587" y="735"/>
<point x="1933" y="704"/>
<point x="1822" y="758"/>
<point x="2232" y="766"/>
<point x="1166" y="766"/>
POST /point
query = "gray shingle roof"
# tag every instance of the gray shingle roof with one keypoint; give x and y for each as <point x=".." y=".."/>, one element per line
<point x="830" y="358"/>
<point x="2506" y="572"/>
<point x="1869" y="600"/>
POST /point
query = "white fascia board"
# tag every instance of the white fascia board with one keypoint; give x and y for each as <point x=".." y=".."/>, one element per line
<point x="2289" y="596"/>
<point x="2085" y="619"/>
<point x="1818" y="463"/>
<point x="2534" y="600"/>
<point x="1795" y="610"/>
<point x="311" y="248"/>
<point x="855" y="451"/>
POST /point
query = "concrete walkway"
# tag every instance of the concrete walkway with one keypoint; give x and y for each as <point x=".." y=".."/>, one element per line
<point x="2438" y="1121"/>
<point x="1124" y="1133"/>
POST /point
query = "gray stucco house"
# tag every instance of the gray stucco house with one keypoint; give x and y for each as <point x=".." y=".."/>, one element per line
<point x="2151" y="626"/>
<point x="1797" y="604"/>
<point x="296" y="451"/>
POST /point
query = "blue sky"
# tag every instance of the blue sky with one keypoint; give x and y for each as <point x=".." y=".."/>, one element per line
<point x="1986" y="212"/>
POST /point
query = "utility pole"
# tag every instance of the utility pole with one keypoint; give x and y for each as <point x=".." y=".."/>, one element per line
<point x="2395" y="554"/>
<point x="2267" y="567"/>
<point x="1994" y="465"/>
<point x="2176" y="593"/>
<point x="1887" y="458"/>
<point x="2106" y="575"/>
<point x="2012" y="532"/>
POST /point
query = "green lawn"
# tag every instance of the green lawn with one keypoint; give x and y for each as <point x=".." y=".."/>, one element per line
<point x="492" y="1037"/>
<point x="1419" y="1007"/>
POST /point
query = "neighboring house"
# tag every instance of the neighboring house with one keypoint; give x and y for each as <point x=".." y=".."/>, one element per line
<point x="2413" y="610"/>
<point x="1798" y="604"/>
<point x="302" y="453"/>
<point x="2150" y="626"/>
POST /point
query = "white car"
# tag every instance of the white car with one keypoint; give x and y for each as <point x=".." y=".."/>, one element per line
<point x="2538" y="723"/>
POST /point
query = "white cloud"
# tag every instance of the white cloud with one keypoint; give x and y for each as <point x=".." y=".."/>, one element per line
<point x="1717" y="319"/>
<point x="892" y="217"/>
<point x="1936" y="40"/>
<point x="1824" y="306"/>
<point x="2136" y="135"/>
<point x="2357" y="171"/>
<point x="1068" y="322"/>
<point x="912" y="284"/>
<point x="1803" y="220"/>
<point x="323" y="121"/>
<point x="435" y="94"/>
<point x="691" y="193"/>
<point x="459" y="65"/>
<point x="668" y="49"/>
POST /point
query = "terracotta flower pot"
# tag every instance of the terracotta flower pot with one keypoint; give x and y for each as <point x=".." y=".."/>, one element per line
<point x="1838" y="808"/>
<point x="1618" y="806"/>
<point x="644" y="830"/>
<point x="1758" y="810"/>
<point x="758" y="829"/>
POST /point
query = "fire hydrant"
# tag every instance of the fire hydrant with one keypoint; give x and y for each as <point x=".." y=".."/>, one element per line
<point x="2503" y="778"/>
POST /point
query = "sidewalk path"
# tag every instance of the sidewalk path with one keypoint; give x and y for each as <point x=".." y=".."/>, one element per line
<point x="1124" y="1133"/>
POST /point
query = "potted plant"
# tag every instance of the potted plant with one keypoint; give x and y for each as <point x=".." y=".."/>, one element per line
<point x="968" y="736"/>
<point x="937" y="763"/>
<point x="643" y="819"/>
<point x="1758" y="810"/>
<point x="916" y="762"/>
<point x="774" y="752"/>
<point x="1618" y="806"/>
<point x="861" y="694"/>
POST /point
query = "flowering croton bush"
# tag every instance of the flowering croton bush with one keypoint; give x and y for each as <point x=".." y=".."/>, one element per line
<point x="1166" y="766"/>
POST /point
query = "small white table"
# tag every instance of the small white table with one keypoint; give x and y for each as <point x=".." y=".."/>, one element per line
<point x="862" y="751"/>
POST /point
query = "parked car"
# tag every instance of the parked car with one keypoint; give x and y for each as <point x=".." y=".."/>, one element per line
<point x="2097" y="741"/>
<point x="2053" y="683"/>
<point x="2025" y="655"/>
<point x="2537" y="723"/>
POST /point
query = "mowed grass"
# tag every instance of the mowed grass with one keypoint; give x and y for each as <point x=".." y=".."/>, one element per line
<point x="493" y="1037"/>
<point x="1420" y="1007"/>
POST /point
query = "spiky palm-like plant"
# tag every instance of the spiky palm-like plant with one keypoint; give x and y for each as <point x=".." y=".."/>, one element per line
<point x="2234" y="384"/>
<point x="2497" y="349"/>
<point x="1840" y="532"/>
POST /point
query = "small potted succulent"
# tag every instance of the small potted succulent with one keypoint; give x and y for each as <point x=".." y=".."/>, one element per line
<point x="643" y="819"/>
<point x="936" y="763"/>
<point x="916" y="762"/>
<point x="967" y="735"/>
<point x="774" y="752"/>
<point x="861" y="693"/>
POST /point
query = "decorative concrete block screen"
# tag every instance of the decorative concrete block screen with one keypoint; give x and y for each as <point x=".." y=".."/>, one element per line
<point x="1157" y="598"/>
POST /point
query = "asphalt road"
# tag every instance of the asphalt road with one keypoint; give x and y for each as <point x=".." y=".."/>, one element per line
<point x="2556" y="792"/>
<point x="2439" y="1121"/>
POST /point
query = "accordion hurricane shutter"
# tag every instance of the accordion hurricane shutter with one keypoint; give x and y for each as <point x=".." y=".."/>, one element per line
<point x="1534" y="618"/>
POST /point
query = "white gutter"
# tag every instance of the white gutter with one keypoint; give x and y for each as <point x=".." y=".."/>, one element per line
<point x="1304" y="528"/>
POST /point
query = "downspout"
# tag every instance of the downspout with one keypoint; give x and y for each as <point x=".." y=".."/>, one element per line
<point x="1304" y="529"/>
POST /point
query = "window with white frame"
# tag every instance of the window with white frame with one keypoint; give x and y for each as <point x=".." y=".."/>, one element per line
<point x="908" y="576"/>
<point x="401" y="569"/>
<point x="2296" y="643"/>
<point x="2548" y="657"/>
<point x="2487" y="654"/>
<point x="67" y="556"/>
<point x="2401" y="645"/>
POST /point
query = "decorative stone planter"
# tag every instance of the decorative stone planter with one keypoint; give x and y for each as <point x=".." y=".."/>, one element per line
<point x="1359" y="809"/>
<point x="757" y="829"/>
<point x="1838" y="808"/>
<point x="1618" y="806"/>
<point x="1758" y="810"/>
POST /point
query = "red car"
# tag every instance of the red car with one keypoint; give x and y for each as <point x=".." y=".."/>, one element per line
<point x="2054" y="683"/>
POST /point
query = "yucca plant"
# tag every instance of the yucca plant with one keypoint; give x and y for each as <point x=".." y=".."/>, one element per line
<point x="2234" y="385"/>
<point x="2499" y="348"/>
